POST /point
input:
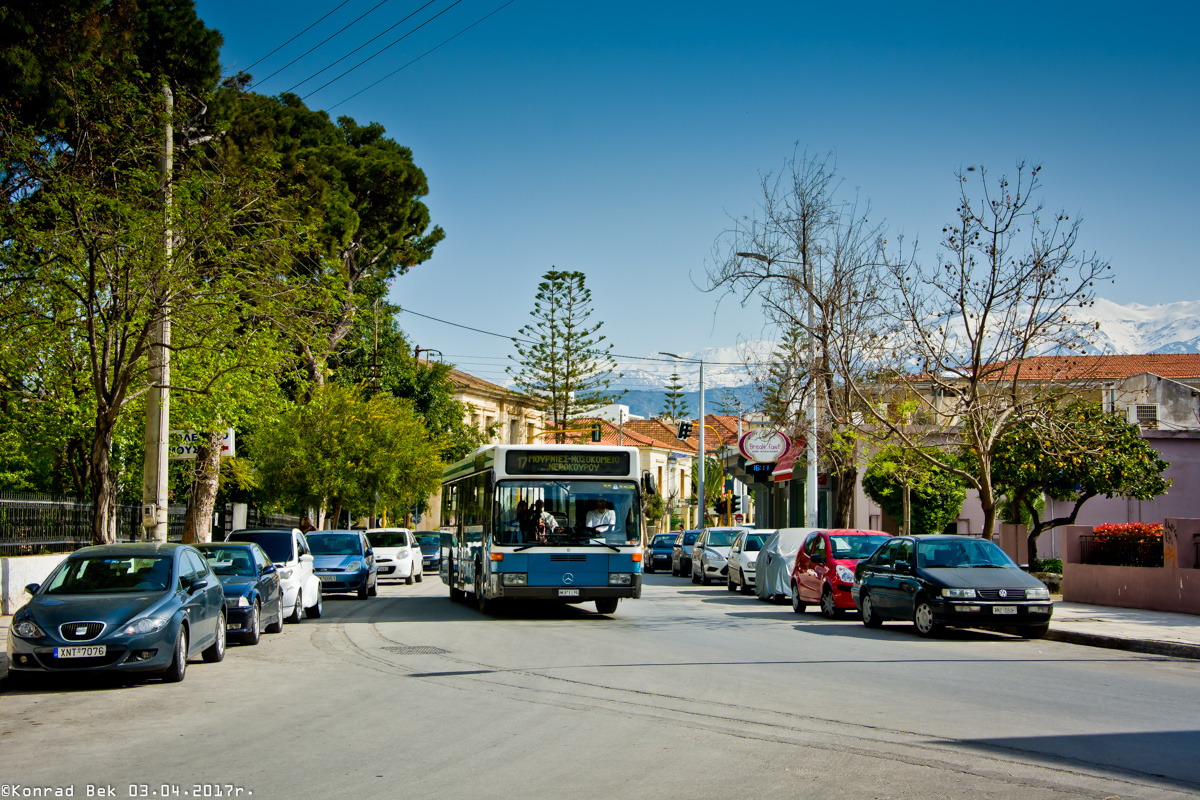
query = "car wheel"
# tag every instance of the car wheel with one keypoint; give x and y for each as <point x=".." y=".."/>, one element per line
<point x="829" y="608"/>
<point x="277" y="625"/>
<point x="420" y="575"/>
<point x="923" y="620"/>
<point x="743" y="587"/>
<point x="606" y="605"/>
<point x="315" y="611"/>
<point x="374" y="590"/>
<point x="298" y="611"/>
<point x="797" y="605"/>
<point x="674" y="570"/>
<point x="695" y="577"/>
<point x="869" y="618"/>
<point x="364" y="590"/>
<point x="705" y="578"/>
<point x="252" y="635"/>
<point x="1034" y="631"/>
<point x="409" y="580"/>
<point x="178" y="668"/>
<point x="730" y="585"/>
<point x="649" y="570"/>
<point x="216" y="651"/>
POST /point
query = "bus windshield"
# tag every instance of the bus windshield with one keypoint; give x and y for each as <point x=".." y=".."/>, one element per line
<point x="567" y="512"/>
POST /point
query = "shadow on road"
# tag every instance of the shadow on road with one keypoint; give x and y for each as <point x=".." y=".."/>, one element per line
<point x="1169" y="756"/>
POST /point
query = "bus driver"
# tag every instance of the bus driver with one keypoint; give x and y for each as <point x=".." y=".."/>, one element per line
<point x="601" y="519"/>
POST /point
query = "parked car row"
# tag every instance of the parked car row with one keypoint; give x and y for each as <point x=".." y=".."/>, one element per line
<point x="147" y="608"/>
<point x="932" y="581"/>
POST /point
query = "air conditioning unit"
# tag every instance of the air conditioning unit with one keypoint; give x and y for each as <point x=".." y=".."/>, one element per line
<point x="1145" y="415"/>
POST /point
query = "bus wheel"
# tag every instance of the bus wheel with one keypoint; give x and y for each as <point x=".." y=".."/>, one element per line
<point x="606" y="605"/>
<point x="482" y="602"/>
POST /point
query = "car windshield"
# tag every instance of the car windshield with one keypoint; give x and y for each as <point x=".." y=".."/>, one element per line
<point x="690" y="538"/>
<point x="856" y="546"/>
<point x="721" y="538"/>
<point x="663" y="540"/>
<point x="432" y="542"/>
<point x="567" y="512"/>
<point x="237" y="561"/>
<point x="755" y="542"/>
<point x="385" y="538"/>
<point x="277" y="544"/>
<point x="335" y="544"/>
<point x="111" y="574"/>
<point x="962" y="553"/>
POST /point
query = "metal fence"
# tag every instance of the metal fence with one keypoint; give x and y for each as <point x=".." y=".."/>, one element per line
<point x="1121" y="551"/>
<point x="37" y="524"/>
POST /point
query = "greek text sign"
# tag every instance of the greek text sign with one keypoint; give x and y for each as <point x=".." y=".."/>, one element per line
<point x="185" y="444"/>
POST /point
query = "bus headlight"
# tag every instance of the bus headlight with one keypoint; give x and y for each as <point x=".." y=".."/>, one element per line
<point x="620" y="578"/>
<point x="514" y="578"/>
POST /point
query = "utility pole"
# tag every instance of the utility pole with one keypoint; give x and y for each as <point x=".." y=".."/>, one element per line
<point x="375" y="357"/>
<point x="158" y="399"/>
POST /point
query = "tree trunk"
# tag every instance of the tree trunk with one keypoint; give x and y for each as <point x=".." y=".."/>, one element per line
<point x="906" y="505"/>
<point x="102" y="484"/>
<point x="197" y="526"/>
<point x="847" y="483"/>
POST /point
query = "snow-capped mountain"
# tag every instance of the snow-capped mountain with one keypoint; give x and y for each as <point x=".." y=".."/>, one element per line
<point x="1123" y="329"/>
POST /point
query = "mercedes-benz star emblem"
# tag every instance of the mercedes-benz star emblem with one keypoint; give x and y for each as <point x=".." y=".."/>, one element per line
<point x="1004" y="593"/>
<point x="568" y="578"/>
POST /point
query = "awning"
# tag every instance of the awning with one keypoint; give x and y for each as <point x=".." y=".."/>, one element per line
<point x="783" y="467"/>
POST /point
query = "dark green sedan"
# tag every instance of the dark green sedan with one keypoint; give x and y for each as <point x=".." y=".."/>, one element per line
<point x="142" y="608"/>
<point x="935" y="581"/>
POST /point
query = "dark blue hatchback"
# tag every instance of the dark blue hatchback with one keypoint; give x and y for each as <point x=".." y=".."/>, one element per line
<point x="658" y="554"/>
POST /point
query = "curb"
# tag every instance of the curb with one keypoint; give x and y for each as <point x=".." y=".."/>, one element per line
<point x="1172" y="649"/>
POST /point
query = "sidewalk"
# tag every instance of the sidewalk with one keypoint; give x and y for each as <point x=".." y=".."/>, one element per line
<point x="1159" y="632"/>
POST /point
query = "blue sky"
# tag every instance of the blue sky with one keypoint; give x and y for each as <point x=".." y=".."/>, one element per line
<point x="618" y="138"/>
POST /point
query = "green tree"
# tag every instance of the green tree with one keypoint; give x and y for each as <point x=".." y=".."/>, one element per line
<point x="340" y="451"/>
<point x="357" y="191"/>
<point x="1085" y="454"/>
<point x="924" y="498"/>
<point x="377" y="356"/>
<point x="674" y="400"/>
<point x="561" y="358"/>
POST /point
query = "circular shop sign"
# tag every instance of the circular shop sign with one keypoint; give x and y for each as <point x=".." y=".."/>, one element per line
<point x="764" y="444"/>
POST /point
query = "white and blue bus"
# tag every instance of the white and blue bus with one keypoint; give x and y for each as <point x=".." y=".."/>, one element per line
<point x="544" y="522"/>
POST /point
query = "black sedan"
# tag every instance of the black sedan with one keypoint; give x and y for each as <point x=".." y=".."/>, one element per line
<point x="935" y="581"/>
<point x="141" y="608"/>
<point x="658" y="554"/>
<point x="251" y="585"/>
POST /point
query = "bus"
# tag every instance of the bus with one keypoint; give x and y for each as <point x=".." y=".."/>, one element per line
<point x="544" y="522"/>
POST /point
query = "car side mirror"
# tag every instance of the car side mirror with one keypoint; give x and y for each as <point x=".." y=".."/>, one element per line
<point x="32" y="588"/>
<point x="197" y="585"/>
<point x="269" y="569"/>
<point x="370" y="552"/>
<point x="307" y="557"/>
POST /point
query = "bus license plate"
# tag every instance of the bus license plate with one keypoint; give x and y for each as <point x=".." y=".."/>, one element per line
<point x="90" y="651"/>
<point x="1004" y="609"/>
<point x="568" y="593"/>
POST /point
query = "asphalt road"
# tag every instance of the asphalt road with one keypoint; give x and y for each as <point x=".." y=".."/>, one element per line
<point x="688" y="692"/>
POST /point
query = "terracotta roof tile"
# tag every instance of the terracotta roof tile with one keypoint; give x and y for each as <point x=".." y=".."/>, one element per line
<point x="1108" y="367"/>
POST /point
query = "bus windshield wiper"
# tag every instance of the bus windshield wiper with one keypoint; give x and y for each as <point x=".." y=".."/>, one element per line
<point x="614" y="548"/>
<point x="524" y="547"/>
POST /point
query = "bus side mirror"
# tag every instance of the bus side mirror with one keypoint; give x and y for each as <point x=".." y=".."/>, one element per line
<point x="648" y="484"/>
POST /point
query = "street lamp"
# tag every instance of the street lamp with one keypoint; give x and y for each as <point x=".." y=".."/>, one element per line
<point x="700" y="472"/>
<point x="810" y="481"/>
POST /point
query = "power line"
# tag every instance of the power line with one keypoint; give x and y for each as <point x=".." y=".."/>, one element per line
<point x="364" y="44"/>
<point x="297" y="36"/>
<point x="530" y="341"/>
<point x="418" y="58"/>
<point x="323" y="41"/>
<point x="384" y="49"/>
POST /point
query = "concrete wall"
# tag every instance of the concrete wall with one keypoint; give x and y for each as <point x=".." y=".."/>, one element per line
<point x="1173" y="587"/>
<point x="18" y="571"/>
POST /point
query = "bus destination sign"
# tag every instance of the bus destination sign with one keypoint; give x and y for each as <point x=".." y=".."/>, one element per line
<point x="570" y="462"/>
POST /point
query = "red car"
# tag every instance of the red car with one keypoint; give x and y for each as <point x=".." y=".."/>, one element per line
<point x="824" y="570"/>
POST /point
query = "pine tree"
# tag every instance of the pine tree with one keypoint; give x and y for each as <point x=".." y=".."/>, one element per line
<point x="561" y="357"/>
<point x="675" y="401"/>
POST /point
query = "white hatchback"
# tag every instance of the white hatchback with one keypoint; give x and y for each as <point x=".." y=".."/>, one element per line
<point x="742" y="557"/>
<point x="288" y="550"/>
<point x="397" y="555"/>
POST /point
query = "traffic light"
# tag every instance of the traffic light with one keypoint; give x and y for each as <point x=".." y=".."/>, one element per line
<point x="735" y="502"/>
<point x="719" y="506"/>
<point x="685" y="430"/>
<point x="595" y="431"/>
